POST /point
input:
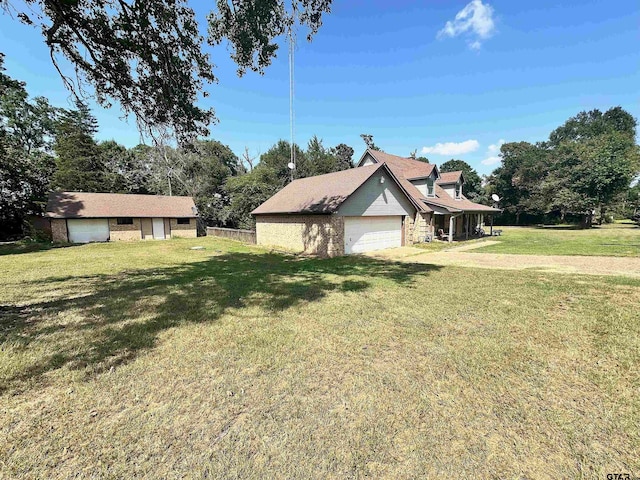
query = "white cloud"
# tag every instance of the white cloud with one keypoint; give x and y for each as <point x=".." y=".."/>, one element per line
<point x="491" y="160"/>
<point x="452" y="148"/>
<point x="495" y="148"/>
<point x="492" y="153"/>
<point x="475" y="20"/>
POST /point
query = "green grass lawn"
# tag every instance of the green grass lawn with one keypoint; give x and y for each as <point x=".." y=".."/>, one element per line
<point x="149" y="359"/>
<point x="619" y="239"/>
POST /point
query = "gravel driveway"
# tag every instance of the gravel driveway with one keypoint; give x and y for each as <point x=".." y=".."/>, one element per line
<point x="594" y="265"/>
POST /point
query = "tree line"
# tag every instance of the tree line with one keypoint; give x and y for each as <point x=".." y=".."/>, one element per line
<point x="587" y="165"/>
<point x="47" y="148"/>
<point x="583" y="172"/>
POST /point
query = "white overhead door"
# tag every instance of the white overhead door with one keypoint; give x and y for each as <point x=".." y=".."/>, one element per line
<point x="88" y="230"/>
<point x="364" y="234"/>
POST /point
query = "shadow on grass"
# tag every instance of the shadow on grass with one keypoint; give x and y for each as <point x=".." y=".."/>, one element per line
<point x="115" y="317"/>
<point x="15" y="248"/>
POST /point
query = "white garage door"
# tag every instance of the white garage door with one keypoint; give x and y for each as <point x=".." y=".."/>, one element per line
<point x="88" y="230"/>
<point x="364" y="234"/>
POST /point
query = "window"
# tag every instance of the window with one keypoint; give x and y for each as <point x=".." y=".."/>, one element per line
<point x="184" y="221"/>
<point x="430" y="192"/>
<point x="125" y="221"/>
<point x="458" y="190"/>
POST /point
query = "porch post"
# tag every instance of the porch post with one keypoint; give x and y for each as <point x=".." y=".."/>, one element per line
<point x="451" y="223"/>
<point x="466" y="226"/>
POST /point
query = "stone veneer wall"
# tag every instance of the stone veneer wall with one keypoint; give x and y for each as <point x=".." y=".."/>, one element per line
<point x="190" y="231"/>
<point x="409" y="227"/>
<point x="124" y="232"/>
<point x="321" y="235"/>
<point x="59" y="230"/>
<point x="422" y="226"/>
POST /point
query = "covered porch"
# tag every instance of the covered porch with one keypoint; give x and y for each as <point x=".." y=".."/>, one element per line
<point x="461" y="226"/>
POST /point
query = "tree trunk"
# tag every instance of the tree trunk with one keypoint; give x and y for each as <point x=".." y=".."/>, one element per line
<point x="602" y="213"/>
<point x="517" y="218"/>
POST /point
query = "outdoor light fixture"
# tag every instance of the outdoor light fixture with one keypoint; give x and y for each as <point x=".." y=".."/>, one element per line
<point x="381" y="179"/>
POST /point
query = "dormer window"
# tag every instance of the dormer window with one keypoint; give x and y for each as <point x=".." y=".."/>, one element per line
<point x="430" y="188"/>
<point x="458" y="191"/>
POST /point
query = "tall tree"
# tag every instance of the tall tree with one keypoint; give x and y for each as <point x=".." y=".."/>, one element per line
<point x="247" y="192"/>
<point x="80" y="164"/>
<point x="368" y="140"/>
<point x="517" y="180"/>
<point x="277" y="159"/>
<point x="343" y="155"/>
<point x="148" y="55"/>
<point x="472" y="184"/>
<point x="322" y="160"/>
<point x="25" y="149"/>
<point x="596" y="158"/>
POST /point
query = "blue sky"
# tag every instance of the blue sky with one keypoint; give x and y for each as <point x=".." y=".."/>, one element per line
<point x="507" y="71"/>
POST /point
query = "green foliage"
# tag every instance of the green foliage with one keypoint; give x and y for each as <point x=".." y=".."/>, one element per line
<point x="247" y="192"/>
<point x="278" y="157"/>
<point x="368" y="140"/>
<point x="145" y="55"/>
<point x="80" y="165"/>
<point x="343" y="156"/>
<point x="322" y="160"/>
<point x="25" y="142"/>
<point x="125" y="170"/>
<point x="472" y="181"/>
<point x="148" y="55"/>
<point x="587" y="164"/>
<point x="251" y="28"/>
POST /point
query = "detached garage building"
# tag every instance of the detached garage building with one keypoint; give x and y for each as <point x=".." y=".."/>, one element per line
<point x="80" y="217"/>
<point x="351" y="211"/>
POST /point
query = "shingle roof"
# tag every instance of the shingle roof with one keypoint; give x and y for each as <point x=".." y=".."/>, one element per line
<point x="319" y="194"/>
<point x="408" y="168"/>
<point x="449" y="177"/>
<point x="109" y="205"/>
<point x="322" y="194"/>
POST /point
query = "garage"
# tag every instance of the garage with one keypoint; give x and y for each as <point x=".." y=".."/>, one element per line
<point x="365" y="234"/>
<point x="88" y="230"/>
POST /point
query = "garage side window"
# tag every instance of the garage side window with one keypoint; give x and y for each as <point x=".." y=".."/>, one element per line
<point x="125" y="221"/>
<point x="184" y="221"/>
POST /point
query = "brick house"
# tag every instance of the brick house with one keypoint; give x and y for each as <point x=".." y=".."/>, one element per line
<point x="386" y="201"/>
<point x="80" y="217"/>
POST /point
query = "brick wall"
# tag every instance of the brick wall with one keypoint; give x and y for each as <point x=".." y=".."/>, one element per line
<point x="321" y="235"/>
<point x="124" y="232"/>
<point x="59" y="230"/>
<point x="189" y="230"/>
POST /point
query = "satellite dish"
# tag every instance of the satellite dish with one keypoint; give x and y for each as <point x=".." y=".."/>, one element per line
<point x="495" y="197"/>
<point x="291" y="165"/>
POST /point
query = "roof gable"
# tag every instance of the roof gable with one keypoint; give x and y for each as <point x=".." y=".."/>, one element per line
<point x="451" y="177"/>
<point x="323" y="194"/>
